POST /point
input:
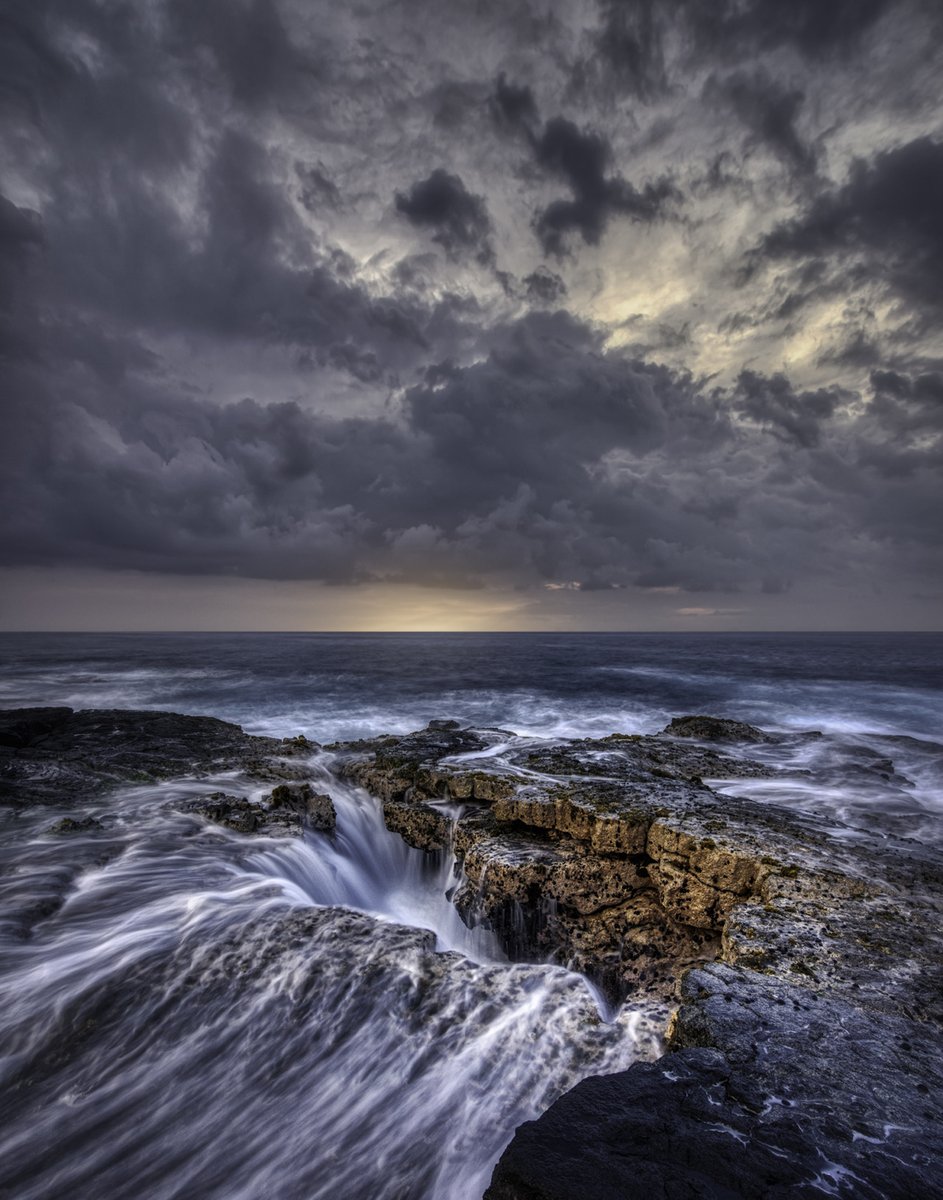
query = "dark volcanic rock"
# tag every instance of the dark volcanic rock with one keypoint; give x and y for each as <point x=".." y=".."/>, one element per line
<point x="76" y="825"/>
<point x="49" y="755"/>
<point x="25" y="726"/>
<point x="300" y="799"/>
<point x="288" y="810"/>
<point x="772" y="1092"/>
<point x="716" y="729"/>
<point x="805" y="1056"/>
<point x="233" y="812"/>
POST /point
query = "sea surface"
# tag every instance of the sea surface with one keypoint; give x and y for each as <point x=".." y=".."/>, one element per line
<point x="191" y="1013"/>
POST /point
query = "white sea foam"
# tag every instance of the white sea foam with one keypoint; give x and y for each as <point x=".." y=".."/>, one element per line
<point x="215" y="1003"/>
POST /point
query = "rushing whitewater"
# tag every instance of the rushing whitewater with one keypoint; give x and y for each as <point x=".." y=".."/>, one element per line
<point x="192" y="1014"/>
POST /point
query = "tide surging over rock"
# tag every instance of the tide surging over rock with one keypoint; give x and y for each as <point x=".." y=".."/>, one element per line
<point x="806" y="1054"/>
<point x="52" y="756"/>
<point x="609" y="855"/>
<point x="288" y="809"/>
<point x="805" y="957"/>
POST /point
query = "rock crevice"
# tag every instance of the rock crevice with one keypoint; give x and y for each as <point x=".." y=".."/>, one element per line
<point x="804" y="969"/>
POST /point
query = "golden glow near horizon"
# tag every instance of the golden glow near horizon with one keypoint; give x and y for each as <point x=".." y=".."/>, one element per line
<point x="45" y="599"/>
<point x="420" y="610"/>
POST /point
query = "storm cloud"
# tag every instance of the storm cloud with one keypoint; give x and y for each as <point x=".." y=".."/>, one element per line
<point x="459" y="220"/>
<point x="642" y="297"/>
<point x="582" y="159"/>
<point x="885" y="223"/>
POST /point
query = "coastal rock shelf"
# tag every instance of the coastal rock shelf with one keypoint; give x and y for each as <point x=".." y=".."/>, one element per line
<point x="797" y="962"/>
<point x="806" y="1054"/>
<point x="51" y="754"/>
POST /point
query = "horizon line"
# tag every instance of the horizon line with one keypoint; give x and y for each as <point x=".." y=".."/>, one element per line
<point x="451" y="632"/>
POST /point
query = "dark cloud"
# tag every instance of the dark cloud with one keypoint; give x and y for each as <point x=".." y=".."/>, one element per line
<point x="772" y="401"/>
<point x="453" y="103"/>
<point x="645" y="48"/>
<point x="630" y="44"/>
<point x="459" y="220"/>
<point x="816" y="27"/>
<point x="513" y="106"/>
<point x="214" y="361"/>
<point x="248" y="43"/>
<point x="769" y="110"/>
<point x="582" y="160"/>
<point x="857" y="349"/>
<point x="627" y="49"/>
<point x="909" y="404"/>
<point x="544" y="287"/>
<point x="885" y="223"/>
<point x="21" y="234"/>
<point x="485" y="472"/>
<point x="318" y="190"/>
<point x="550" y="460"/>
<point x="234" y="263"/>
<point x="30" y="68"/>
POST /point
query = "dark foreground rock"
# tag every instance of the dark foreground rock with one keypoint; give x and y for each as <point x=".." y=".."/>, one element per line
<point x="770" y="1116"/>
<point x="55" y="756"/>
<point x="717" y="729"/>
<point x="289" y="809"/>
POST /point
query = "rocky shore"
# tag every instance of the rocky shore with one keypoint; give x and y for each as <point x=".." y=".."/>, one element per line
<point x="799" y="964"/>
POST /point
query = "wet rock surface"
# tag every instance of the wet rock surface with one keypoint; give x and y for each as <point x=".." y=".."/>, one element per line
<point x="717" y="729"/>
<point x="769" y="1091"/>
<point x="610" y="855"/>
<point x="287" y="810"/>
<point x="57" y="757"/>
<point x="805" y="1056"/>
<point x="803" y="959"/>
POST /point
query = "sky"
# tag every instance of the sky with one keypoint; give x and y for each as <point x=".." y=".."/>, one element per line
<point x="615" y="314"/>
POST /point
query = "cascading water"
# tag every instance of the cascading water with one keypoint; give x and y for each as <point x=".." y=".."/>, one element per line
<point x="366" y="867"/>
<point x="189" y="1013"/>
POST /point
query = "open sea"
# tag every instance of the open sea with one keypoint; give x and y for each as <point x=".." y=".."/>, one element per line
<point x="191" y="1014"/>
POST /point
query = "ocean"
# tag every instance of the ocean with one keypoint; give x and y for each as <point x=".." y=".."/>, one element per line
<point x="874" y="697"/>
<point x="186" y="1012"/>
<point x="332" y="686"/>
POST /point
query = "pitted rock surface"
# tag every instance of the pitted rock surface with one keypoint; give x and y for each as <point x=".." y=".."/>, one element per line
<point x="806" y="1055"/>
<point x="57" y="756"/>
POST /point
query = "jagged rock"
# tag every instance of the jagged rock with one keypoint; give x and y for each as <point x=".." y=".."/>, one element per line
<point x="26" y="726"/>
<point x="716" y="729"/>
<point x="592" y="841"/>
<point x="321" y="813"/>
<point x="300" y="799"/>
<point x="49" y="753"/>
<point x="298" y="745"/>
<point x="55" y="752"/>
<point x="233" y="812"/>
<point x="419" y="825"/>
<point x="803" y="1062"/>
<point x="805" y="1056"/>
<point x="637" y="758"/>
<point x="289" y="808"/>
<point x="770" y="1090"/>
